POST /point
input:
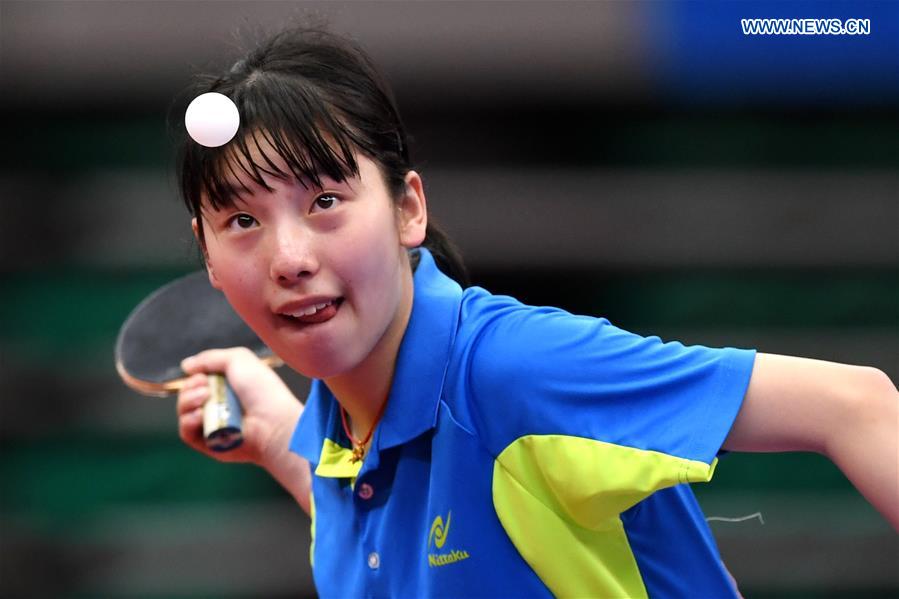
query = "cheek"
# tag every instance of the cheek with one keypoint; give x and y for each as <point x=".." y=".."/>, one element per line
<point x="243" y="297"/>
<point x="369" y="246"/>
<point x="371" y="271"/>
<point x="238" y="278"/>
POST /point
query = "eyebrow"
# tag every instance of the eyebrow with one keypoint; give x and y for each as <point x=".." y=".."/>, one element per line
<point x="231" y="189"/>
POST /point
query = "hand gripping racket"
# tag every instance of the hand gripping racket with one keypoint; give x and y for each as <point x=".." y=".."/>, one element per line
<point x="179" y="320"/>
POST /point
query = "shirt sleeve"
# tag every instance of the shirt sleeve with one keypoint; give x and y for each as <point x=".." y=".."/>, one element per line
<point x="543" y="371"/>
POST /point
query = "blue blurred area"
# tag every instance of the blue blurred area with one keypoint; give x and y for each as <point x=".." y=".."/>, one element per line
<point x="702" y="57"/>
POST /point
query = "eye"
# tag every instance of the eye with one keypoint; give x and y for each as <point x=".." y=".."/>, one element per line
<point x="326" y="201"/>
<point x="242" y="221"/>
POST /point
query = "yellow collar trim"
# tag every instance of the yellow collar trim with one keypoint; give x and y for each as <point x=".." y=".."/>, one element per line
<point x="336" y="462"/>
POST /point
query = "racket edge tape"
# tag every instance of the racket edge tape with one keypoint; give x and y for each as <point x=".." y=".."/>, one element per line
<point x="168" y="388"/>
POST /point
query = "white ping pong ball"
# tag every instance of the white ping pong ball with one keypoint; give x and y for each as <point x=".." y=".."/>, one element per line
<point x="212" y="119"/>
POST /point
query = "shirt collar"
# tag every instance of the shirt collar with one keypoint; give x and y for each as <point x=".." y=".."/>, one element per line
<point x="418" y="378"/>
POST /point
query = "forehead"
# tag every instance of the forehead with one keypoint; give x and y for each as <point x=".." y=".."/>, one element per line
<point x="256" y="163"/>
<point x="258" y="159"/>
<point x="256" y="154"/>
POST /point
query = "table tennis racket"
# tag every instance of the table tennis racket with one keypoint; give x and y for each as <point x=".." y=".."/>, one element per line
<point x="179" y="320"/>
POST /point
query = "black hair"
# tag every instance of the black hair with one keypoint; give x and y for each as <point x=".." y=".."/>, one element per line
<point x="316" y="98"/>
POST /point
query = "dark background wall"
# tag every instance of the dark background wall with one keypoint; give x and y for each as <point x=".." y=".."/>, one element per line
<point x="640" y="161"/>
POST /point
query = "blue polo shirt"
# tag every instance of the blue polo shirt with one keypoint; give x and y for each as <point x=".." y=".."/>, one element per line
<point x="524" y="451"/>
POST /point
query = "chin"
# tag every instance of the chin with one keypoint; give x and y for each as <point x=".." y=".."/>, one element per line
<point x="318" y="368"/>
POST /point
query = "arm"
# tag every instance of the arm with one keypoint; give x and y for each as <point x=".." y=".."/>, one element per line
<point x="270" y="413"/>
<point x="848" y="413"/>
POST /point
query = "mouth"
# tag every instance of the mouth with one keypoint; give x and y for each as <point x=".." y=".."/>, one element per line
<point x="312" y="314"/>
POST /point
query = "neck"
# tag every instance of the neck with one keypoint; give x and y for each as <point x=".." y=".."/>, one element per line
<point x="363" y="390"/>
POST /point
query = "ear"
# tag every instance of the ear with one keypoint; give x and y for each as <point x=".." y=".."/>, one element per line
<point x="202" y="243"/>
<point x="413" y="212"/>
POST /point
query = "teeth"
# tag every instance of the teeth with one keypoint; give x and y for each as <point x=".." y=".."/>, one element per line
<point x="311" y="309"/>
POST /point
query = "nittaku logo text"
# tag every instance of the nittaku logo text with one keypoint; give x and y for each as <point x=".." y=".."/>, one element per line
<point x="437" y="538"/>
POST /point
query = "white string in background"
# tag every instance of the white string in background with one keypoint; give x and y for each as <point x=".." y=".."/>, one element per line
<point x="740" y="519"/>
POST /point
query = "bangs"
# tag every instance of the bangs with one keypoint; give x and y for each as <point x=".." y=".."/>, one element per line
<point x="283" y="124"/>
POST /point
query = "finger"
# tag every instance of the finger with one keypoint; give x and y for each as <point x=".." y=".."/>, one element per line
<point x="243" y="369"/>
<point x="192" y="420"/>
<point x="190" y="429"/>
<point x="189" y="399"/>
<point x="214" y="360"/>
<point x="195" y="380"/>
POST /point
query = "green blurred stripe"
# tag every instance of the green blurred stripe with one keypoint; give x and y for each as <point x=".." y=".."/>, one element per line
<point x="789" y="472"/>
<point x="71" y="315"/>
<point x="746" y="141"/>
<point x="84" y="141"/>
<point x="60" y="484"/>
<point x="66" y="480"/>
<point x="78" y="313"/>
<point x="219" y="594"/>
<point x="786" y="299"/>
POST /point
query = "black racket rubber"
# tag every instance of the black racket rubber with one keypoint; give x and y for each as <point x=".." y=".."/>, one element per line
<point x="178" y="320"/>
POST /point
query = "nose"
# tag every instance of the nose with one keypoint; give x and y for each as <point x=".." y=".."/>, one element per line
<point x="293" y="257"/>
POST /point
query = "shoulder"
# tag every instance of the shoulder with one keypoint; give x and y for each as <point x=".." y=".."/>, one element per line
<point x="500" y="338"/>
<point x="509" y="355"/>
<point x="522" y="370"/>
<point x="502" y="322"/>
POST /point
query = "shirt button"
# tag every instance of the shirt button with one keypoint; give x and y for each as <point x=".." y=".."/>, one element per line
<point x="366" y="491"/>
<point x="374" y="560"/>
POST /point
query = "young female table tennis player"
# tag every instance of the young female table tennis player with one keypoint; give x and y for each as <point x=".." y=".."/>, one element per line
<point x="455" y="442"/>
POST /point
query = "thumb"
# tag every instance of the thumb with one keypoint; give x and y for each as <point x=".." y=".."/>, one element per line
<point x="213" y="360"/>
<point x="249" y="376"/>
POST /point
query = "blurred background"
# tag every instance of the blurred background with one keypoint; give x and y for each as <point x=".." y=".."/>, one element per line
<point x="643" y="161"/>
